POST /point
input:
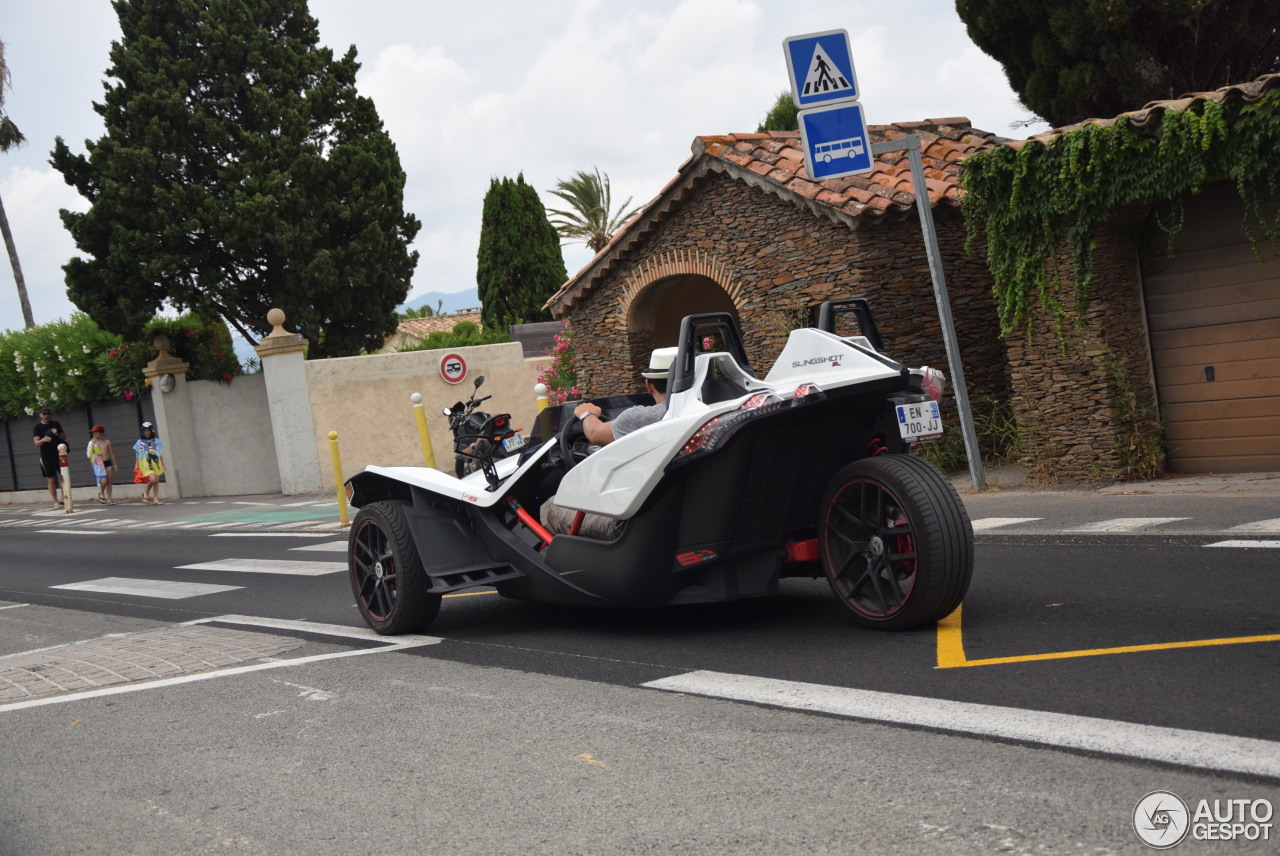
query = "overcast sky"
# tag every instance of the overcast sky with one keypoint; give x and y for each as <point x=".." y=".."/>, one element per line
<point x="470" y="91"/>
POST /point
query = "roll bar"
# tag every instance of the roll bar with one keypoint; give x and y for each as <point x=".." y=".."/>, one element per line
<point x="691" y="327"/>
<point x="829" y="311"/>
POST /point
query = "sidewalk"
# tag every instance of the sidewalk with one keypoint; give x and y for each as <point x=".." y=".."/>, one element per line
<point x="1012" y="479"/>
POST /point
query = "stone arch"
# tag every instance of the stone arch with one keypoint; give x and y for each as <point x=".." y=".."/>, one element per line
<point x="710" y="280"/>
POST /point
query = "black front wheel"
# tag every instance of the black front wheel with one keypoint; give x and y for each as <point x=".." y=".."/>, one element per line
<point x="896" y="542"/>
<point x="391" y="586"/>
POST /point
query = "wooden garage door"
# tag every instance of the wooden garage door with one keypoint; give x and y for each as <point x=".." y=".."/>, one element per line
<point x="1213" y="311"/>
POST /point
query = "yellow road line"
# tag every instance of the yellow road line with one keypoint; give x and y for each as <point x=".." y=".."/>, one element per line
<point x="951" y="647"/>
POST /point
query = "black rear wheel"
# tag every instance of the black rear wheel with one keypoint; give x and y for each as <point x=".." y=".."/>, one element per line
<point x="896" y="542"/>
<point x="387" y="577"/>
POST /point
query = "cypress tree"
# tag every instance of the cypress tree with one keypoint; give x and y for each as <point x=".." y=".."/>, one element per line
<point x="240" y="170"/>
<point x="519" y="264"/>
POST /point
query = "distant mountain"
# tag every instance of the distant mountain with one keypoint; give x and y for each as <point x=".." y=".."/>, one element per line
<point x="452" y="301"/>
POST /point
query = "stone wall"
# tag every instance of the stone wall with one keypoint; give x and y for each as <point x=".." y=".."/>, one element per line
<point x="1085" y="402"/>
<point x="778" y="261"/>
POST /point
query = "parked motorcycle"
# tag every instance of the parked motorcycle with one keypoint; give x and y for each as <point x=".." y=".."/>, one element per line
<point x="479" y="438"/>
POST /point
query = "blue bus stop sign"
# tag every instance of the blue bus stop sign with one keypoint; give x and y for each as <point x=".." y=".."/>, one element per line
<point x="835" y="141"/>
<point x="820" y="66"/>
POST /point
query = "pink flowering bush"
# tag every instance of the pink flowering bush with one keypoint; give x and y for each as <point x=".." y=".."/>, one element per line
<point x="561" y="375"/>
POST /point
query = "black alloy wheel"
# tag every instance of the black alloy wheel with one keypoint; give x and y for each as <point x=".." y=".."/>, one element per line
<point x="896" y="542"/>
<point x="387" y="577"/>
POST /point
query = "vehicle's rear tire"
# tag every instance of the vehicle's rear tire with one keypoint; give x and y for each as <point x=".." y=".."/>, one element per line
<point x="896" y="542"/>
<point x="390" y="585"/>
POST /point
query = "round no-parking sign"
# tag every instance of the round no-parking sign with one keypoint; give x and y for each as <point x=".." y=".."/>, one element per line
<point x="453" y="368"/>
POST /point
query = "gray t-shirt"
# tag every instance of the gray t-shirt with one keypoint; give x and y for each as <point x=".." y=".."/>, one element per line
<point x="637" y="417"/>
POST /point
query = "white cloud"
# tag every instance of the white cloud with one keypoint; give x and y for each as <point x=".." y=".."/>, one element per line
<point x="32" y="198"/>
<point x="471" y="91"/>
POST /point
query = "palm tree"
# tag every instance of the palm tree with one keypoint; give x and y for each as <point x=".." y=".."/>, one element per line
<point x="589" y="219"/>
<point x="10" y="138"/>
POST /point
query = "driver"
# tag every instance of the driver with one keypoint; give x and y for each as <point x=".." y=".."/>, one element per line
<point x="559" y="520"/>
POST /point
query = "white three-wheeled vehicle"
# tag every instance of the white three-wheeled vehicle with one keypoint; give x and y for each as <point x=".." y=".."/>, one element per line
<point x="804" y="472"/>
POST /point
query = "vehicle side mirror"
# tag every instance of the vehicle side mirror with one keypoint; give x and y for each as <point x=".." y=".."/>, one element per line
<point x="479" y="380"/>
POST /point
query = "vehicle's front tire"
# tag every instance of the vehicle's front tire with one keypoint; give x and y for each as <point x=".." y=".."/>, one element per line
<point x="390" y="585"/>
<point x="896" y="542"/>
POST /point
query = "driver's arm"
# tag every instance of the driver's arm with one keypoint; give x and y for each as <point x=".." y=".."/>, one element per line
<point x="596" y="429"/>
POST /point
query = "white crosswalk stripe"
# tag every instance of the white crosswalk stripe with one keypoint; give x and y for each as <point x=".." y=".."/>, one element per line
<point x="326" y="547"/>
<point x="1124" y="524"/>
<point x="986" y="523"/>
<point x="167" y="589"/>
<point x="1262" y="527"/>
<point x="1271" y="545"/>
<point x="293" y="567"/>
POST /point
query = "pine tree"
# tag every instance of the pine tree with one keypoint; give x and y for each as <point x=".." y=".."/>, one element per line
<point x="782" y="116"/>
<point x="1071" y="60"/>
<point x="519" y="264"/>
<point x="240" y="171"/>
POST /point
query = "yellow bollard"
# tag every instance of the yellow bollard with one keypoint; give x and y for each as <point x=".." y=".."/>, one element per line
<point x="540" y="390"/>
<point x="424" y="436"/>
<point x="338" y="479"/>
<point x="66" y="477"/>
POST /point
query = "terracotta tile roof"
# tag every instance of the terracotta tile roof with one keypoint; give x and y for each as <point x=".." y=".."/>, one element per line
<point x="420" y="328"/>
<point x="774" y="163"/>
<point x="1153" y="112"/>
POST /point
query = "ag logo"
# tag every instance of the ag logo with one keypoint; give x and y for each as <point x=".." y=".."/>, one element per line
<point x="1161" y="819"/>
<point x="453" y="368"/>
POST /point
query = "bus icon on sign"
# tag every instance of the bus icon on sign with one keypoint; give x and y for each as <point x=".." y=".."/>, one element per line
<point x="453" y="368"/>
<point x="827" y="152"/>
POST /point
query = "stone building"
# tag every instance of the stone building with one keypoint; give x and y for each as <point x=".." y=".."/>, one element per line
<point x="742" y="229"/>
<point x="1175" y="365"/>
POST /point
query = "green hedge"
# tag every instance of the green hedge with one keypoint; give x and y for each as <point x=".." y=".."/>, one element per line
<point x="72" y="363"/>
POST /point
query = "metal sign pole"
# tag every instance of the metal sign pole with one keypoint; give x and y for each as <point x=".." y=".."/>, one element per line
<point x="911" y="144"/>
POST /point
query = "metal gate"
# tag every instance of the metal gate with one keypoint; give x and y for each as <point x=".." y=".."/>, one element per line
<point x="121" y="419"/>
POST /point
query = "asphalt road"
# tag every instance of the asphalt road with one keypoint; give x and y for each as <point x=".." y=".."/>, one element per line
<point x="524" y="728"/>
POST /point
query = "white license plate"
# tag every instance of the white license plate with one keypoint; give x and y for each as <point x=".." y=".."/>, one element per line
<point x="919" y="421"/>
<point x="515" y="441"/>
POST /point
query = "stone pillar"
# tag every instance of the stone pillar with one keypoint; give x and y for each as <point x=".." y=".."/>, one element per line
<point x="175" y="423"/>
<point x="289" y="399"/>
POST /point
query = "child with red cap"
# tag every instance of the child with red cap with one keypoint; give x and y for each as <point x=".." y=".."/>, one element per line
<point x="103" y="459"/>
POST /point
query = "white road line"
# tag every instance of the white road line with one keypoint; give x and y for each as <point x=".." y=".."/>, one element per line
<point x="200" y="524"/>
<point x="316" y="627"/>
<point x="326" y="547"/>
<point x="262" y="535"/>
<point x="1123" y="524"/>
<point x="297" y="524"/>
<point x="167" y="589"/>
<point x="1263" y="526"/>
<point x="14" y="606"/>
<point x="402" y="643"/>
<point x="292" y="567"/>
<point x="1272" y="545"/>
<point x="986" y="523"/>
<point x="1197" y="749"/>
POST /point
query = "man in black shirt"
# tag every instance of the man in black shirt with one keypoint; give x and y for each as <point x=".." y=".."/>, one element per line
<point x="47" y="437"/>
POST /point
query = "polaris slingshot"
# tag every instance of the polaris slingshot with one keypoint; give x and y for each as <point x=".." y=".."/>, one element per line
<point x="745" y="480"/>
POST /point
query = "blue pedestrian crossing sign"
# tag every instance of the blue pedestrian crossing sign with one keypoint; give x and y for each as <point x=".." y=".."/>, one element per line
<point x="820" y="66"/>
<point x="835" y="141"/>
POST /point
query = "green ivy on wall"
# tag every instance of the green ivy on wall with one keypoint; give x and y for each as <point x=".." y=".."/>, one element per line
<point x="1032" y="202"/>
